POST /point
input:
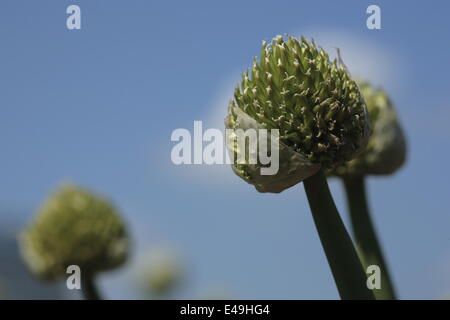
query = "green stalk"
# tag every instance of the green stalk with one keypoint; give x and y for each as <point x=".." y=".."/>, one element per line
<point x="367" y="244"/>
<point x="89" y="288"/>
<point x="348" y="273"/>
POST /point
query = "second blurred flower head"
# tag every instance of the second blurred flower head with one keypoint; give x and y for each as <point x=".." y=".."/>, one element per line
<point x="160" y="272"/>
<point x="386" y="149"/>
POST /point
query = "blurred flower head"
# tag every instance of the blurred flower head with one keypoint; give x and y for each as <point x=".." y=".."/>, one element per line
<point x="160" y="272"/>
<point x="386" y="149"/>
<point x="74" y="227"/>
<point x="313" y="102"/>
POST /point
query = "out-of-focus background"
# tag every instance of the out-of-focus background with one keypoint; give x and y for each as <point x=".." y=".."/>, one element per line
<point x="97" y="107"/>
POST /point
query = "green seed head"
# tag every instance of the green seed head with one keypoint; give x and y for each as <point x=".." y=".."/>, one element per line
<point x="74" y="227"/>
<point x="386" y="149"/>
<point x="313" y="102"/>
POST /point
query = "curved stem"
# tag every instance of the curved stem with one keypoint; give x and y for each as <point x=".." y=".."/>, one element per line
<point x="365" y="237"/>
<point x="348" y="273"/>
<point x="89" y="288"/>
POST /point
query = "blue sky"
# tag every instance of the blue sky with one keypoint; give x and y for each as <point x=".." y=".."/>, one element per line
<point x="97" y="107"/>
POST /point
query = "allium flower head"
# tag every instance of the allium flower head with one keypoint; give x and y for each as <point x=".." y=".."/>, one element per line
<point x="386" y="149"/>
<point x="312" y="101"/>
<point x="162" y="272"/>
<point x="74" y="227"/>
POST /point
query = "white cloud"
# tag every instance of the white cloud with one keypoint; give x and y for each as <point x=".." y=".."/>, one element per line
<point x="365" y="58"/>
<point x="219" y="102"/>
<point x="220" y="175"/>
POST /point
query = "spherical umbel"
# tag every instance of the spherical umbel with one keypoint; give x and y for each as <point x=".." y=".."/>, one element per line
<point x="386" y="148"/>
<point x="74" y="227"/>
<point x="313" y="102"/>
<point x="162" y="273"/>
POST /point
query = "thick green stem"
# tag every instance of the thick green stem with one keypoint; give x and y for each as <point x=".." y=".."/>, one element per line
<point x="365" y="237"/>
<point x="89" y="288"/>
<point x="348" y="273"/>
